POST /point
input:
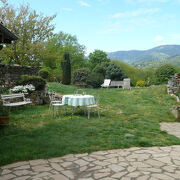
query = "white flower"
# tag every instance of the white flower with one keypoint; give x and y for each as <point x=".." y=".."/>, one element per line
<point x="24" y="89"/>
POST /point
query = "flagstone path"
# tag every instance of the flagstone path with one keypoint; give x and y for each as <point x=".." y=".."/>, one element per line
<point x="171" y="128"/>
<point x="151" y="163"/>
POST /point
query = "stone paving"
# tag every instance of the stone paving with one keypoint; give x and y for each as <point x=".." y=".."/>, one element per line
<point x="171" y="128"/>
<point x="151" y="163"/>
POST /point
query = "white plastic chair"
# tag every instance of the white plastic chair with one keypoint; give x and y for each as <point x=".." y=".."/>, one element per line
<point x="106" y="83"/>
<point x="94" y="106"/>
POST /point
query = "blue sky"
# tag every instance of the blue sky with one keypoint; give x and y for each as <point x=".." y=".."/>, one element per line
<point x="112" y="25"/>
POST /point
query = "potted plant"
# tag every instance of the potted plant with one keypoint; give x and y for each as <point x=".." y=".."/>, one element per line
<point x="4" y="115"/>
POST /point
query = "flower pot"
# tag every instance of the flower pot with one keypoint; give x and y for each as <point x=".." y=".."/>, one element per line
<point x="4" y="120"/>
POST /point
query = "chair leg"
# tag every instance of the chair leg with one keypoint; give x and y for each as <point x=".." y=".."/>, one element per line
<point x="89" y="113"/>
<point x="98" y="113"/>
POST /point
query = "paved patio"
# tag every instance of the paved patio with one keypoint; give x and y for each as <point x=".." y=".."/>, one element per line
<point x="152" y="163"/>
<point x="126" y="164"/>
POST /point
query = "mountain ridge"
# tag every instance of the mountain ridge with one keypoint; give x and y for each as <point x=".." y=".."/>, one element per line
<point x="158" y="53"/>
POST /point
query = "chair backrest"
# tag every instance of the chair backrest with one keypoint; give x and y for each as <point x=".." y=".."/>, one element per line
<point x="79" y="92"/>
<point x="97" y="99"/>
<point x="127" y="83"/>
<point x="52" y="96"/>
<point x="107" y="82"/>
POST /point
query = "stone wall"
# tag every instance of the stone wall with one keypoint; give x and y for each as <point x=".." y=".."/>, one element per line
<point x="173" y="86"/>
<point x="10" y="74"/>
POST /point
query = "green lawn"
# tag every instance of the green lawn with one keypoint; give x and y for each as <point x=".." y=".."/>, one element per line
<point x="33" y="132"/>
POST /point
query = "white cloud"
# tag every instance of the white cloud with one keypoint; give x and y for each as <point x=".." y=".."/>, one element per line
<point x="66" y="9"/>
<point x="135" y="13"/>
<point x="158" y="38"/>
<point x="84" y="4"/>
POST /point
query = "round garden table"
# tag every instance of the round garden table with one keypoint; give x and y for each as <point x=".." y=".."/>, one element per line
<point x="78" y="100"/>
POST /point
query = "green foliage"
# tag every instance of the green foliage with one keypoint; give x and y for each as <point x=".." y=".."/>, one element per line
<point x="178" y="94"/>
<point x="95" y="80"/>
<point x="33" y="30"/>
<point x="60" y="44"/>
<point x="98" y="57"/>
<point x="66" y="68"/>
<point x="163" y="73"/>
<point x="80" y="76"/>
<point x="38" y="82"/>
<point x="3" y="111"/>
<point x="133" y="73"/>
<point x="44" y="73"/>
<point x="115" y="72"/>
<point x="140" y="83"/>
<point x="101" y="68"/>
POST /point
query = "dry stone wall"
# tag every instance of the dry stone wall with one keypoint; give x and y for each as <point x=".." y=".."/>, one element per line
<point x="10" y="74"/>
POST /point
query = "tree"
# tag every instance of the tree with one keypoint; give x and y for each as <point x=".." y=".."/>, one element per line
<point x="66" y="68"/>
<point x="33" y="30"/>
<point x="62" y="43"/>
<point x="164" y="72"/>
<point x="101" y="68"/>
<point x="115" y="72"/>
<point x="97" y="57"/>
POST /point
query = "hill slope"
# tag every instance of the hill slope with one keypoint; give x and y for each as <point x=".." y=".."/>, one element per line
<point x="174" y="60"/>
<point x="155" y="54"/>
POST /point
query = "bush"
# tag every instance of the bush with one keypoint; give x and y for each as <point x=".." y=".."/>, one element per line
<point x="95" y="80"/>
<point x="114" y="72"/>
<point x="3" y="111"/>
<point x="37" y="81"/>
<point x="44" y="73"/>
<point x="80" y="76"/>
<point x="101" y="68"/>
<point x="163" y="73"/>
<point x="140" y="83"/>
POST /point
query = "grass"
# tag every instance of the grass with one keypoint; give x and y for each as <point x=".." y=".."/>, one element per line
<point x="33" y="132"/>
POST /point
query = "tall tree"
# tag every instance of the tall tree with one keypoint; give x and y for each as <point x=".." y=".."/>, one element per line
<point x="33" y="30"/>
<point x="97" y="57"/>
<point x="61" y="44"/>
<point x="66" y="68"/>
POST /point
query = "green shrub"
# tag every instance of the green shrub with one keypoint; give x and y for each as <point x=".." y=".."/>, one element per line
<point x="95" y="80"/>
<point x="114" y="72"/>
<point x="140" y="83"/>
<point x="80" y="76"/>
<point x="44" y="73"/>
<point x="163" y="73"/>
<point x="101" y="68"/>
<point x="3" y="111"/>
<point x="37" y="81"/>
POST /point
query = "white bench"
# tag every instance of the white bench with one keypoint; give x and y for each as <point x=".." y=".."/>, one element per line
<point x="21" y="100"/>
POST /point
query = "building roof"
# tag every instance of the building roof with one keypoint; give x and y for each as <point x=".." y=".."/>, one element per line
<point x="6" y="36"/>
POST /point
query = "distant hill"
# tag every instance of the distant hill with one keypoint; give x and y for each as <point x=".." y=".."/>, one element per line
<point x="155" y="54"/>
<point x="174" y="60"/>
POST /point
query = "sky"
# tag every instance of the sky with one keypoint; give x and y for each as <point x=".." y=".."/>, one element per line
<point x="113" y="25"/>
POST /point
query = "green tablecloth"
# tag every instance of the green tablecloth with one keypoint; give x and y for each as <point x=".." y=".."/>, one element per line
<point x="78" y="100"/>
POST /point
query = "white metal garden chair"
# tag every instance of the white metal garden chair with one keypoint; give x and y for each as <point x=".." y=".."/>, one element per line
<point x="55" y="104"/>
<point x="94" y="107"/>
<point x="79" y="92"/>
